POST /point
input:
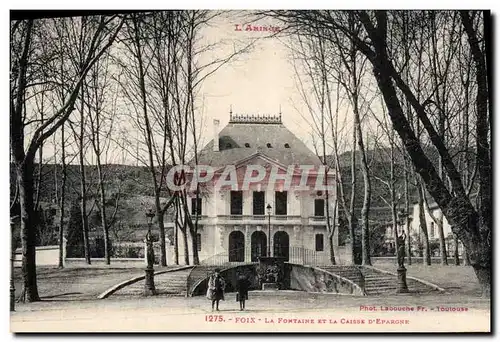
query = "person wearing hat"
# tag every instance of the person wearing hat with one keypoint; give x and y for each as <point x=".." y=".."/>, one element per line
<point x="242" y="286"/>
<point x="216" y="286"/>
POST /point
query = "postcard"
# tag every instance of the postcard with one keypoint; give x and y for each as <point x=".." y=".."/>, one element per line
<point x="251" y="171"/>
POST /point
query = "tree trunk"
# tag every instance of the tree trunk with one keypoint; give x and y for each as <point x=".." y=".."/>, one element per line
<point x="356" y="257"/>
<point x="28" y="231"/>
<point x="456" y="255"/>
<point x="83" y="210"/>
<point x="442" y="241"/>
<point x="176" y="238"/>
<point x="331" y="227"/>
<point x="407" y="207"/>
<point x="332" y="250"/>
<point x="194" y="246"/>
<point x="466" y="258"/>
<point x="62" y="198"/>
<point x="161" y="226"/>
<point x="104" y="222"/>
<point x="186" y="245"/>
<point x="83" y="185"/>
<point x="423" y="225"/>
<point x="365" y="211"/>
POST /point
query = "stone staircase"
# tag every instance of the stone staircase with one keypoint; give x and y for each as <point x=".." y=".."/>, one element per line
<point x="169" y="283"/>
<point x="375" y="282"/>
<point x="197" y="274"/>
<point x="353" y="273"/>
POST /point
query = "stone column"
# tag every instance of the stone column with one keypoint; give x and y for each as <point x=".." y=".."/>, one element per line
<point x="65" y="241"/>
<point x="248" y="244"/>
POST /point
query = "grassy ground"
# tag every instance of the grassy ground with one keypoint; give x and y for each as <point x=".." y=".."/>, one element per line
<point x="77" y="283"/>
<point x="454" y="279"/>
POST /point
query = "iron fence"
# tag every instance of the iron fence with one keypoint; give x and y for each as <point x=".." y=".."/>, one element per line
<point x="295" y="255"/>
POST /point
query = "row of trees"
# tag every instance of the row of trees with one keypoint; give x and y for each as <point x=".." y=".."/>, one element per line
<point x="412" y="88"/>
<point x="414" y="81"/>
<point x="84" y="85"/>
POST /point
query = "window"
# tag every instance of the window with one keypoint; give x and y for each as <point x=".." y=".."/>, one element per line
<point x="247" y="145"/>
<point x="269" y="145"/>
<point x="236" y="202"/>
<point x="320" y="245"/>
<point x="258" y="203"/>
<point x="280" y="202"/>
<point x="198" y="242"/>
<point x="319" y="207"/>
<point x="228" y="145"/>
<point x="196" y="206"/>
<point x="432" y="230"/>
<point x="287" y="145"/>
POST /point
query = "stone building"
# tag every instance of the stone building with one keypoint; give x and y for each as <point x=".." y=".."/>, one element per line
<point x="268" y="190"/>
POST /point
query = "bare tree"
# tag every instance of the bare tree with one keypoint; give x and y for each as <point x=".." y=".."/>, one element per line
<point x="27" y="59"/>
<point x="311" y="56"/>
<point x="101" y="129"/>
<point x="472" y="226"/>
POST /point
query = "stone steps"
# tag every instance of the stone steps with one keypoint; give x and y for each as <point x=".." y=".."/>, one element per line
<point x="169" y="283"/>
<point x="373" y="281"/>
<point x="199" y="273"/>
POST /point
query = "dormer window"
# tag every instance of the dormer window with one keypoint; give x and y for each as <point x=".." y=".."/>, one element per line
<point x="287" y="145"/>
<point x="247" y="145"/>
<point x="228" y="145"/>
<point x="269" y="145"/>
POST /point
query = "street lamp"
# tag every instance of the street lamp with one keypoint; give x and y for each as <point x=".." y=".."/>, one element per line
<point x="269" y="208"/>
<point x="400" y="243"/>
<point x="149" y="283"/>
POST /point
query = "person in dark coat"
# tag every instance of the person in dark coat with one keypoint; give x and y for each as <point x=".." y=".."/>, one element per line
<point x="242" y="286"/>
<point x="216" y="287"/>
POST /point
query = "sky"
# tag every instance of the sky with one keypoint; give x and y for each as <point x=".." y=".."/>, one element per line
<point x="260" y="81"/>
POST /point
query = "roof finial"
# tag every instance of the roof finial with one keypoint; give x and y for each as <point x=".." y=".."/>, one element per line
<point x="230" y="112"/>
<point x="280" y="112"/>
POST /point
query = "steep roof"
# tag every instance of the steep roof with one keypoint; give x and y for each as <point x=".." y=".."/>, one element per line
<point x="257" y="134"/>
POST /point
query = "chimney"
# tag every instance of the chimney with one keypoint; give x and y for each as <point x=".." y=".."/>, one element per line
<point x="216" y="135"/>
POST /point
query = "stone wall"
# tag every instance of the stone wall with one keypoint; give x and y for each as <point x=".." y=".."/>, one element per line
<point x="310" y="279"/>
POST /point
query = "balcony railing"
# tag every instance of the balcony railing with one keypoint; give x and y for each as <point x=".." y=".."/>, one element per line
<point x="263" y="218"/>
<point x="318" y="218"/>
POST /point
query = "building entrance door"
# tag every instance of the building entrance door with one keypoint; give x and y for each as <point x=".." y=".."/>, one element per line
<point x="258" y="245"/>
<point x="236" y="246"/>
<point x="281" y="245"/>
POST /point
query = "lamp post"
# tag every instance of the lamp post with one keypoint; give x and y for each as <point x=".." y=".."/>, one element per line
<point x="402" y="285"/>
<point x="149" y="283"/>
<point x="269" y="208"/>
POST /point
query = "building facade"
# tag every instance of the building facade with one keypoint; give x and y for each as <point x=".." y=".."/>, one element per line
<point x="433" y="231"/>
<point x="269" y="196"/>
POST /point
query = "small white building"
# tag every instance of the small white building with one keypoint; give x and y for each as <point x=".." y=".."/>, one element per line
<point x="432" y="228"/>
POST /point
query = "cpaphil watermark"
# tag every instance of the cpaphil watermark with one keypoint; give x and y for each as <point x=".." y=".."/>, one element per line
<point x="291" y="178"/>
<point x="256" y="28"/>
